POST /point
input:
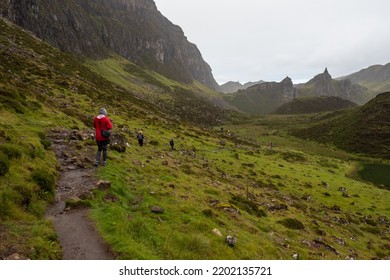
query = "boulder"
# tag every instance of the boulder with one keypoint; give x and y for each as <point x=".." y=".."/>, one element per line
<point x="217" y="232"/>
<point x="231" y="240"/>
<point x="157" y="209"/>
<point x="103" y="185"/>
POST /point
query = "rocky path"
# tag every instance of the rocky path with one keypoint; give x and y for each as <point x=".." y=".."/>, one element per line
<point x="77" y="233"/>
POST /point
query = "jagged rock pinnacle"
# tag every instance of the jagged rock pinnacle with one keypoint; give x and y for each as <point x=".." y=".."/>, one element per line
<point x="326" y="71"/>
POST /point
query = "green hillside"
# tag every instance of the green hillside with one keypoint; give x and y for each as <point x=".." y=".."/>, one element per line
<point x="262" y="98"/>
<point x="376" y="78"/>
<point x="309" y="105"/>
<point x="364" y="130"/>
<point x="293" y="198"/>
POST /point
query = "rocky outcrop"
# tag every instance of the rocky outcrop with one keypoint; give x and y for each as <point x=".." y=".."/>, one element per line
<point x="263" y="98"/>
<point x="324" y="85"/>
<point x="134" y="29"/>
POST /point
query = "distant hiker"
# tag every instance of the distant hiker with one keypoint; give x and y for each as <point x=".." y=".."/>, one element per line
<point x="140" y="138"/>
<point x="270" y="145"/>
<point x="102" y="126"/>
<point x="172" y="143"/>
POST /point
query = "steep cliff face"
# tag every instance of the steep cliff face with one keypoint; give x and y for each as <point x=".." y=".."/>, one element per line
<point x="134" y="29"/>
<point x="324" y="85"/>
<point x="263" y="98"/>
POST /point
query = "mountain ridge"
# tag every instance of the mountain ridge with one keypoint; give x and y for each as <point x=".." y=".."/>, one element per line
<point x="231" y="87"/>
<point x="324" y="85"/>
<point x="262" y="98"/>
<point x="134" y="29"/>
<point x="266" y="97"/>
<point x="375" y="77"/>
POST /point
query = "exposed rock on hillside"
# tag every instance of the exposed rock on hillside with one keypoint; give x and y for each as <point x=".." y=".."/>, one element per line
<point x="266" y="97"/>
<point x="134" y="29"/>
<point x="263" y="98"/>
<point x="324" y="85"/>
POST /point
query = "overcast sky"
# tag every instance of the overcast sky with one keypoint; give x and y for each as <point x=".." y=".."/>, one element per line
<point x="251" y="40"/>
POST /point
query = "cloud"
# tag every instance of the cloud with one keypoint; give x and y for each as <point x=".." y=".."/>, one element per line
<point x="270" y="39"/>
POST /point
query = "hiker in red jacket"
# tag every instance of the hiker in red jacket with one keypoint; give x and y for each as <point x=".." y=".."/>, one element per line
<point x="102" y="126"/>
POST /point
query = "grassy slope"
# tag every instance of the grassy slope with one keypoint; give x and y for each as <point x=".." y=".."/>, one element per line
<point x="40" y="88"/>
<point x="364" y="130"/>
<point x="376" y="86"/>
<point x="204" y="185"/>
<point x="193" y="102"/>
<point x="314" y="104"/>
<point x="213" y="180"/>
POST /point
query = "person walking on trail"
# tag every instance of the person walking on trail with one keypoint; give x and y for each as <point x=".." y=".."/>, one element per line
<point x="102" y="126"/>
<point x="172" y="143"/>
<point x="140" y="138"/>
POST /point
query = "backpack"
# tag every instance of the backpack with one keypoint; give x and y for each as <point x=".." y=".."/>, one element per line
<point x="105" y="133"/>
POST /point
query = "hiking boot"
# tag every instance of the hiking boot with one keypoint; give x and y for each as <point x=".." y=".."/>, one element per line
<point x="96" y="163"/>
<point x="104" y="163"/>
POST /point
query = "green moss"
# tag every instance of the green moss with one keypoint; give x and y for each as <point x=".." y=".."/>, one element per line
<point x="13" y="101"/>
<point x="248" y="205"/>
<point x="11" y="150"/>
<point x="376" y="173"/>
<point x="292" y="223"/>
<point x="44" y="140"/>
<point x="44" y="179"/>
<point x="291" y="156"/>
<point x="4" y="164"/>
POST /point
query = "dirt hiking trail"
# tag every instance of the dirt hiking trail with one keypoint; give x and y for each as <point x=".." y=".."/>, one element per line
<point x="76" y="232"/>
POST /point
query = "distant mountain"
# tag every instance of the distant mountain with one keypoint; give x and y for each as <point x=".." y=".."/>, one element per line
<point x="231" y="87"/>
<point x="262" y="98"/>
<point x="308" y="105"/>
<point x="376" y="78"/>
<point x="266" y="97"/>
<point x="324" y="85"/>
<point x="364" y="130"/>
<point x="133" y="29"/>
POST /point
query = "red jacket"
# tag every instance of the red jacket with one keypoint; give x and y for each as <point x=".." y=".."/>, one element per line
<point x="100" y="123"/>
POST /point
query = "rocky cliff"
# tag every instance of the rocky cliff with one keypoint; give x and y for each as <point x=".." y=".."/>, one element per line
<point x="134" y="29"/>
<point x="263" y="98"/>
<point x="323" y="85"/>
